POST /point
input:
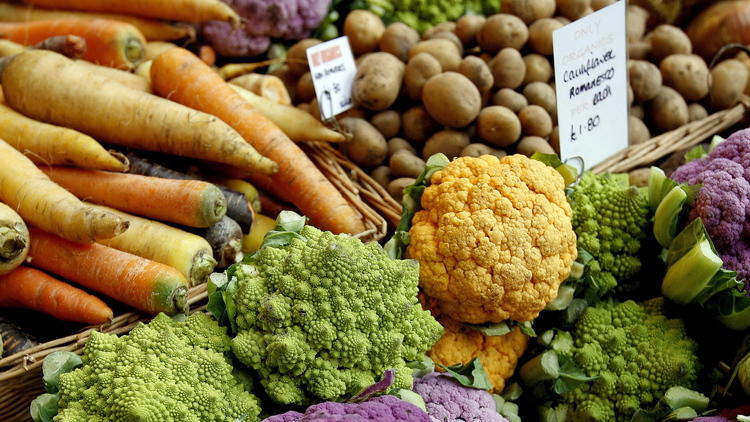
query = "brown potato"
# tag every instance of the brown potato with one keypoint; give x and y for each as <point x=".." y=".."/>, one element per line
<point x="451" y="99"/>
<point x="478" y="72"/>
<point x="449" y="142"/>
<point x="562" y="19"/>
<point x="397" y="186"/>
<point x="418" y="125"/>
<point x="443" y="50"/>
<point x="441" y="27"/>
<point x="630" y="95"/>
<point x="467" y="27"/>
<point x="573" y="9"/>
<point x="554" y="139"/>
<point x="540" y="35"/>
<point x="418" y="71"/>
<point x="378" y="81"/>
<point x="535" y="121"/>
<point x="636" y="23"/>
<point x="364" y="29"/>
<point x="450" y="36"/>
<point x="382" y="175"/>
<point x="668" y="110"/>
<point x="290" y="80"/>
<point x="637" y="131"/>
<point x="508" y="68"/>
<point x="637" y="111"/>
<point x="529" y="10"/>
<point x="601" y="4"/>
<point x="296" y="56"/>
<point x="397" y="144"/>
<point x="538" y="69"/>
<point x="639" y="177"/>
<point x="528" y="145"/>
<point x="397" y="39"/>
<point x="639" y="50"/>
<point x="405" y="164"/>
<point x="541" y="94"/>
<point x="387" y="122"/>
<point x="498" y="125"/>
<point x="667" y="40"/>
<point x="501" y="31"/>
<point x="367" y="148"/>
<point x="511" y="99"/>
<point x="478" y="150"/>
<point x="305" y="91"/>
<point x="686" y="73"/>
<point x="728" y="80"/>
<point x="645" y="79"/>
<point x="696" y="112"/>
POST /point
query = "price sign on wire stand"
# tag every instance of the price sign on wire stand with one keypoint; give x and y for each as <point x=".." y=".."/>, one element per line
<point x="332" y="68"/>
<point x="591" y="82"/>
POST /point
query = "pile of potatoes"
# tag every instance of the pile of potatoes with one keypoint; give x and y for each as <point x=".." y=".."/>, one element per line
<point x="486" y="85"/>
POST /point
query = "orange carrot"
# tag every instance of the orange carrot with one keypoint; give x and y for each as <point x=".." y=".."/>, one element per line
<point x="178" y="10"/>
<point x="183" y="77"/>
<point x="141" y="283"/>
<point x="28" y="288"/>
<point x="190" y="202"/>
<point x="109" y="43"/>
<point x="208" y="55"/>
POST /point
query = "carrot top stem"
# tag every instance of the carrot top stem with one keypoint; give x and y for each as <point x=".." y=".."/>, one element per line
<point x="12" y="243"/>
<point x="134" y="50"/>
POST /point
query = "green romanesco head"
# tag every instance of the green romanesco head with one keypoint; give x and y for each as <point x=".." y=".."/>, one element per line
<point x="326" y="315"/>
<point x="610" y="219"/>
<point x="635" y="352"/>
<point x="162" y="371"/>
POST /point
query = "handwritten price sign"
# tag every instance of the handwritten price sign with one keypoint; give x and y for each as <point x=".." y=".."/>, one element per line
<point x="332" y="68"/>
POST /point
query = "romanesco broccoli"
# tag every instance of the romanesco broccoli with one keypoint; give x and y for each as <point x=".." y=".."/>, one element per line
<point x="161" y="371"/>
<point x="324" y="316"/>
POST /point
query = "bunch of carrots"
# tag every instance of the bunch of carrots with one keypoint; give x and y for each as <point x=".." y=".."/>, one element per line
<point x="80" y="223"/>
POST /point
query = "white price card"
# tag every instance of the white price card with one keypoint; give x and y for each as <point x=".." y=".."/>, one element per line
<point x="591" y="82"/>
<point x="332" y="68"/>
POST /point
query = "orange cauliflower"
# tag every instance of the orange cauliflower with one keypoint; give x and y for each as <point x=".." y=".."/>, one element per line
<point x="494" y="238"/>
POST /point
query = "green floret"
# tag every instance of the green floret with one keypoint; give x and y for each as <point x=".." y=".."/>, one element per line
<point x="611" y="220"/>
<point x="162" y="371"/>
<point x="324" y="316"/>
<point x="423" y="14"/>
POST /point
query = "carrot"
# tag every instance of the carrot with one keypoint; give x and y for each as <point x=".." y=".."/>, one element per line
<point x="208" y="55"/>
<point x="109" y="43"/>
<point x="189" y="202"/>
<point x="154" y="48"/>
<point x="152" y="30"/>
<point x="225" y="238"/>
<point x="241" y="186"/>
<point x="141" y="283"/>
<point x="189" y="254"/>
<point x="14" y="239"/>
<point x="122" y="77"/>
<point x="42" y="203"/>
<point x="267" y="86"/>
<point x="54" y="145"/>
<point x="67" y="45"/>
<point x="29" y="288"/>
<point x="261" y="225"/>
<point x="48" y="87"/>
<point x="178" y="10"/>
<point x="9" y="48"/>
<point x="183" y="77"/>
<point x="299" y="125"/>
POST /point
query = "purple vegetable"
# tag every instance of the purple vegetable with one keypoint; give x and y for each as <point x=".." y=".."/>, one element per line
<point x="233" y="43"/>
<point x="381" y="409"/>
<point x="727" y="415"/>
<point x="449" y="401"/>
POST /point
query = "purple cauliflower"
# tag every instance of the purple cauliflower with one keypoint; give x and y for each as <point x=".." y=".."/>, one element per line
<point x="381" y="409"/>
<point x="449" y="401"/>
<point x="727" y="415"/>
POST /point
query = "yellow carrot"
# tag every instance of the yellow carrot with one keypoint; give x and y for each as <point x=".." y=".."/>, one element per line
<point x="122" y="77"/>
<point x="261" y="225"/>
<point x="266" y="86"/>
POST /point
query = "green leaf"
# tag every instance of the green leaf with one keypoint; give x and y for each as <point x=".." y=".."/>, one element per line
<point x="471" y="375"/>
<point x="667" y="216"/>
<point x="44" y="407"/>
<point x="422" y="367"/>
<point x="574" y="310"/>
<point x="571" y="376"/>
<point x="695" y="153"/>
<point x="551" y="160"/>
<point x="411" y="397"/>
<point x="732" y="308"/>
<point x="677" y="397"/>
<point x="216" y="285"/>
<point x="512" y="392"/>
<point x="564" y="296"/>
<point x="715" y="141"/>
<point x="693" y="233"/>
<point x="526" y="328"/>
<point x="56" y="364"/>
<point x="499" y="329"/>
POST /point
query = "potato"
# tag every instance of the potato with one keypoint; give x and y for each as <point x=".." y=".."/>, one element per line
<point x="420" y="68"/>
<point x="529" y="10"/>
<point x="478" y="73"/>
<point x="367" y="147"/>
<point x="397" y="39"/>
<point x="447" y="26"/>
<point x="535" y="121"/>
<point x="645" y="79"/>
<point x="405" y="164"/>
<point x="554" y="139"/>
<point x="637" y="131"/>
<point x="573" y="9"/>
<point x="382" y="175"/>
<point x="443" y="50"/>
<point x="478" y="150"/>
<point x="562" y="19"/>
<point x="378" y="81"/>
<point x="541" y="94"/>
<point x="297" y="57"/>
<point x="387" y="122"/>
<point x="451" y="99"/>
<point x="639" y="177"/>
<point x="449" y="142"/>
<point x="418" y="125"/>
<point x="508" y="68"/>
<point x="538" y="69"/>
<point x="498" y="125"/>
<point x="696" y="112"/>
<point x="397" y="186"/>
<point x="501" y="31"/>
<point x="364" y="30"/>
<point x="511" y="99"/>
<point x="745" y="60"/>
<point x="686" y="73"/>
<point x="639" y="50"/>
<point x="354" y="112"/>
<point x="528" y="145"/>
<point x="450" y="36"/>
<point x="667" y="40"/>
<point x="540" y="35"/>
<point x="305" y="90"/>
<point x="728" y="80"/>
<point x="637" y="111"/>
<point x="397" y="144"/>
<point x="601" y="4"/>
<point x="636" y="23"/>
<point x="668" y="110"/>
<point x="467" y="27"/>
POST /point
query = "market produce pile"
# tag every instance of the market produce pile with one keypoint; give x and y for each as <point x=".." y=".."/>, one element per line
<point x="166" y="186"/>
